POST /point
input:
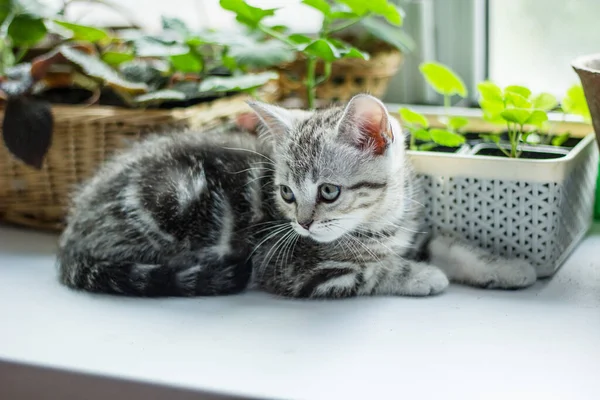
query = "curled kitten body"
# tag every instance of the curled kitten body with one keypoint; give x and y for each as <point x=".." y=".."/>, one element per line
<point x="327" y="207"/>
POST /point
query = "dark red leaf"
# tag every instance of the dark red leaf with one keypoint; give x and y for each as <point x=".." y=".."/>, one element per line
<point x="27" y="129"/>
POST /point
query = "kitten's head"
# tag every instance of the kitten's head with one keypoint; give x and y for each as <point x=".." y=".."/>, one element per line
<point x="336" y="170"/>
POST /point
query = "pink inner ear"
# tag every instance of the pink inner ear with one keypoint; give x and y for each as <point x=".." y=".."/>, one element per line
<point x="374" y="125"/>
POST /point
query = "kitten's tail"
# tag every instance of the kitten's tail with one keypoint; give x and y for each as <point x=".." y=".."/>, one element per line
<point x="150" y="280"/>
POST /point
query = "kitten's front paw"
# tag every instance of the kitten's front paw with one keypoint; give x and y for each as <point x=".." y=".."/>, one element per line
<point x="427" y="281"/>
<point x="512" y="274"/>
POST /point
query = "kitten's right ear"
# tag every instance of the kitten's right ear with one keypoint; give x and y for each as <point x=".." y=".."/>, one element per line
<point x="277" y="120"/>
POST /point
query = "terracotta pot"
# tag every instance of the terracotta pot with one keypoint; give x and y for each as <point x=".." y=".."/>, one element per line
<point x="588" y="69"/>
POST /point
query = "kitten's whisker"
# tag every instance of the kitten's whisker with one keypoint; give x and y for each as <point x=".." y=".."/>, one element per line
<point x="250" y="151"/>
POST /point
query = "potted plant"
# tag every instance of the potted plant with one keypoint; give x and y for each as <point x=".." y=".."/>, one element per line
<point x="500" y="188"/>
<point x="92" y="92"/>
<point x="358" y="48"/>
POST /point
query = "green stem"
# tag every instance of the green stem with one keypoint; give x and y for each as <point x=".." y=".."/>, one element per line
<point x="326" y="75"/>
<point x="273" y="33"/>
<point x="310" y="82"/>
<point x="348" y="24"/>
<point x="447" y="105"/>
<point x="413" y="141"/>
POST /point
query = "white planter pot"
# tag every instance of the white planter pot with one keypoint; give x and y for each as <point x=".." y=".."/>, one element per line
<point x="528" y="208"/>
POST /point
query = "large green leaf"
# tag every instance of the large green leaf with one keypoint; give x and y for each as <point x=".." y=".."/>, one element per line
<point x="236" y="83"/>
<point x="544" y="101"/>
<point x="262" y="54"/>
<point x="246" y="13"/>
<point x="389" y="34"/>
<point x="413" y="118"/>
<point x="26" y="31"/>
<point x="149" y="46"/>
<point x="82" y="32"/>
<point x="516" y="115"/>
<point x="320" y="5"/>
<point x="575" y="102"/>
<point x="442" y="79"/>
<point x="96" y="68"/>
<point x="446" y="138"/>
<point x="188" y="62"/>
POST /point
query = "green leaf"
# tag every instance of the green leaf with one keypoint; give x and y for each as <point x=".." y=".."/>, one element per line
<point x="442" y="79"/>
<point x="491" y="106"/>
<point x="321" y="48"/>
<point x="236" y="83"/>
<point x="413" y="118"/>
<point x="26" y="31"/>
<point x="490" y="92"/>
<point x="446" y="138"/>
<point x="186" y="62"/>
<point x="82" y="32"/>
<point x="421" y="134"/>
<point x="522" y="90"/>
<point x="427" y="146"/>
<point x="148" y="46"/>
<point x="537" y="118"/>
<point x="320" y="5"/>
<point x="379" y="7"/>
<point x="516" y="115"/>
<point x="353" y="52"/>
<point x="300" y="39"/>
<point x="517" y="100"/>
<point x="560" y="139"/>
<point x="494" y="118"/>
<point x="575" y="102"/>
<point x="262" y="54"/>
<point x="115" y="58"/>
<point x="245" y="13"/>
<point x="490" y="137"/>
<point x="160" y="96"/>
<point x="343" y="15"/>
<point x="391" y="35"/>
<point x="176" y="25"/>
<point x="94" y="67"/>
<point x="544" y="101"/>
<point x="457" y="123"/>
<point x="358" y="7"/>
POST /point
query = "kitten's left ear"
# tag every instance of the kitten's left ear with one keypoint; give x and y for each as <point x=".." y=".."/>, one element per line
<point x="366" y="124"/>
<point x="277" y="120"/>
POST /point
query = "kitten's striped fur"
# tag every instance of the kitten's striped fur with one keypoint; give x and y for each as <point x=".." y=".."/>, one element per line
<point x="194" y="214"/>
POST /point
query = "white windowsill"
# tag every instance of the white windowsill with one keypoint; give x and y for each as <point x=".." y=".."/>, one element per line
<point x="464" y="344"/>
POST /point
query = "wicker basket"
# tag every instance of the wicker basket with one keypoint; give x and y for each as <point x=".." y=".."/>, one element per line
<point x="349" y="77"/>
<point x="83" y="138"/>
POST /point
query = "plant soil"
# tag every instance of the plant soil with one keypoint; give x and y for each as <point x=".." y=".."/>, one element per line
<point x="531" y="155"/>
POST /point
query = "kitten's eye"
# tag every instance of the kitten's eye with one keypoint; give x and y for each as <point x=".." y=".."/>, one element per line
<point x="329" y="193"/>
<point x="286" y="194"/>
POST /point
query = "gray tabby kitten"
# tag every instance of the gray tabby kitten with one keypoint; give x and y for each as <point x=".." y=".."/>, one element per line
<point x="326" y="206"/>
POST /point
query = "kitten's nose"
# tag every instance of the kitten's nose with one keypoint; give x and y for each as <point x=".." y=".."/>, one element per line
<point x="306" y="224"/>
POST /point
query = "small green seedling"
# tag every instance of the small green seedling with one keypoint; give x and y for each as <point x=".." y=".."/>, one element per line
<point x="446" y="82"/>
<point x="516" y="107"/>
